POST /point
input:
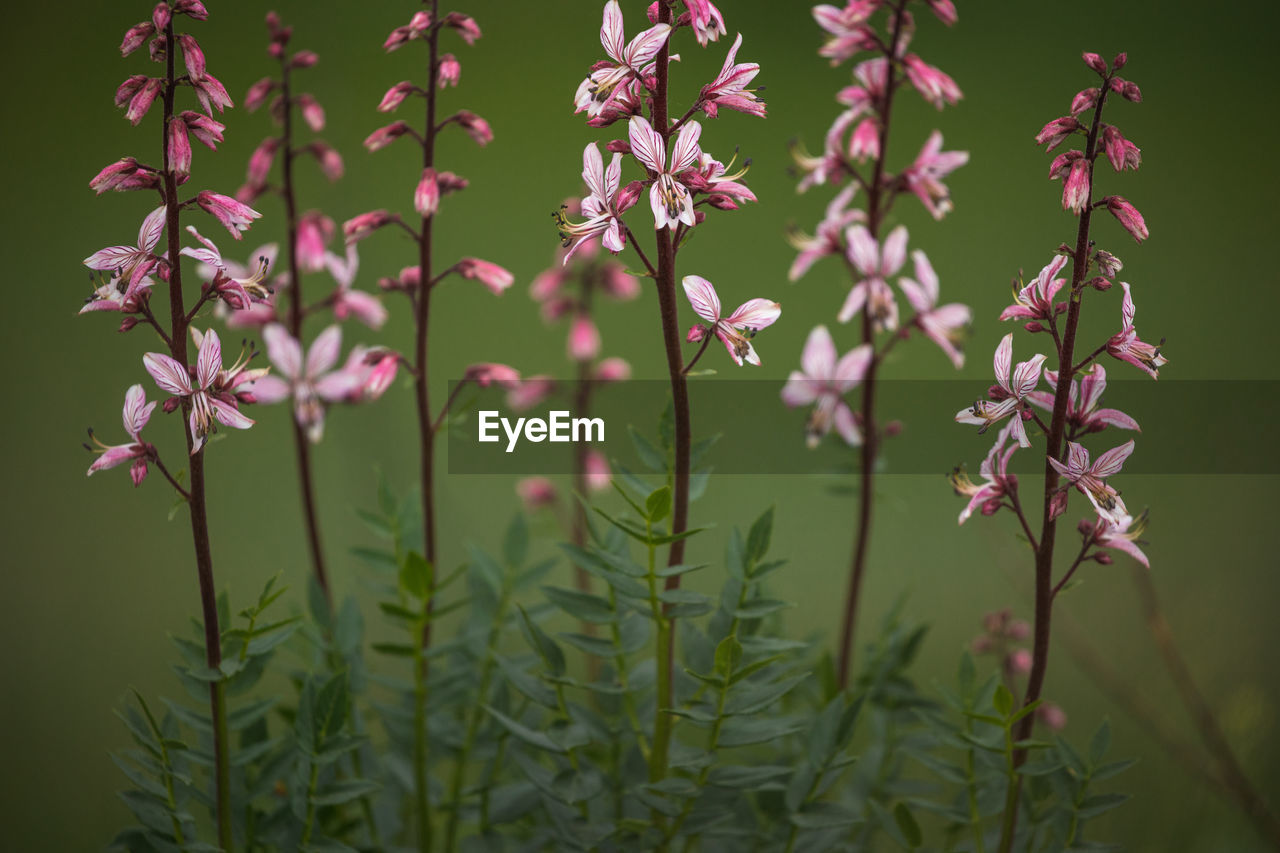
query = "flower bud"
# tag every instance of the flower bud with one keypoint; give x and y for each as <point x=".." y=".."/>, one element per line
<point x="257" y="94"/>
<point x="1084" y="100"/>
<point x="1095" y="62"/>
<point x="395" y="96"/>
<point x="160" y="16"/>
<point x="303" y="59"/>
<point x="179" y="148"/>
<point x="536" y="492"/>
<point x="449" y="72"/>
<point x="1119" y="61"/>
<point x="696" y="333"/>
<point x="584" y="339"/>
<point x="426" y="199"/>
<point x="312" y="112"/>
<point x="1099" y="283"/>
<point x="1033" y="327"/>
<point x="613" y="370"/>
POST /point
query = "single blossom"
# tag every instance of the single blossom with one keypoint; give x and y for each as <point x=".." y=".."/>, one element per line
<point x="608" y="80"/>
<point x="315" y="230"/>
<point x="123" y="175"/>
<point x="1058" y="131"/>
<point x="584" y="339"/>
<point x="876" y="264"/>
<point x="210" y="400"/>
<point x="669" y="198"/>
<point x="1090" y="478"/>
<point x="729" y="88"/>
<point x="536" y="493"/>
<point x="1122" y="153"/>
<point x="940" y="323"/>
<point x="996" y="479"/>
<point x="1014" y="384"/>
<point x="132" y="263"/>
<point x="1035" y="300"/>
<point x="924" y="177"/>
<point x="1121" y="535"/>
<point x="1082" y="402"/>
<point x="829" y="238"/>
<point x="1128" y="217"/>
<point x="485" y="374"/>
<point x="848" y="27"/>
<point x="597" y="471"/>
<point x="602" y="207"/>
<point x="136" y="413"/>
<point x="934" y="85"/>
<point x="233" y="215"/>
<point x="492" y="276"/>
<point x="706" y="20"/>
<point x="1126" y="346"/>
<point x="243" y="285"/>
<point x="116" y="293"/>
<point x="310" y="381"/>
<point x="736" y="330"/>
<point x="823" y="380"/>
<point x="346" y="300"/>
<point x="450" y="71"/>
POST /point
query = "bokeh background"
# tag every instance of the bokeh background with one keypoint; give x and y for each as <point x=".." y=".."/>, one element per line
<point x="95" y="578"/>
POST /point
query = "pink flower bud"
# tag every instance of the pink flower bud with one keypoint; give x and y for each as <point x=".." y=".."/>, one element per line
<point x="450" y="183"/>
<point x="613" y="370"/>
<point x="179" y="148"/>
<point x="384" y="136"/>
<point x="142" y="99"/>
<point x="233" y="215"/>
<point x="1119" y="61"/>
<point x="696" y="333"/>
<point x="476" y="127"/>
<point x="1108" y="264"/>
<point x="547" y="283"/>
<point x="1052" y="716"/>
<point x="465" y="26"/>
<point x="554" y="309"/>
<point x="330" y="160"/>
<point x="1103" y="559"/>
<point x="212" y="94"/>
<point x="207" y="131"/>
<point x="398" y="38"/>
<point x="426" y="199"/>
<point x="191" y="8"/>
<point x="359" y="227"/>
<point x="865" y="141"/>
<point x="395" y="96"/>
<point x="192" y="56"/>
<point x="629" y="195"/>
<point x="261" y="159"/>
<point x="258" y="92"/>
<point x="536" y="492"/>
<point x="619" y="284"/>
<point x="618" y="146"/>
<point x="945" y="10"/>
<point x="1122" y="153"/>
<point x="488" y="373"/>
<point x="584" y="339"/>
<point x="312" y="112"/>
<point x="982" y="645"/>
<point x="124" y="174"/>
<point x="382" y="375"/>
<point x="315" y="230"/>
<point x="1075" y="190"/>
<point x="1128" y="216"/>
<point x="449" y="72"/>
<point x="1019" y="662"/>
<point x="128" y="323"/>
<point x="1033" y="327"/>
<point x="135" y="36"/>
<point x="1056" y="132"/>
<point x="1099" y="283"/>
<point x="130" y="87"/>
<point x="1095" y="62"/>
<point x="490" y="275"/>
<point x="171" y="405"/>
<point x="1084" y="100"/>
<point x="597" y="471"/>
<point x="1057" y="504"/>
<point x="160" y="16"/>
<point x="530" y="392"/>
<point x="304" y="59"/>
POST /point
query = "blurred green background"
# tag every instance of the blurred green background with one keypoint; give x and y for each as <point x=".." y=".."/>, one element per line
<point x="95" y="577"/>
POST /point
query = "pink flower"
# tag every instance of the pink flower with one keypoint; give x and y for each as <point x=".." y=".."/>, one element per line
<point x="750" y="317"/>
<point x="865" y="141"/>
<point x="374" y="370"/>
<point x="1082" y="408"/>
<point x="1122" y="153"/>
<point x="178" y="151"/>
<point x="708" y="23"/>
<point x="233" y="215"/>
<point x="945" y="10"/>
<point x="384" y="136"/>
<point x="729" y="88"/>
<point x="536" y="493"/>
<point x="330" y="160"/>
<point x="829" y="239"/>
<point x="1121" y="535"/>
<point x="932" y="84"/>
<point x="1007" y="398"/>
<point x="941" y="324"/>
<point x="597" y="471"/>
<point x="997" y="481"/>
<point x="1086" y="99"/>
<point x="1057" y="131"/>
<point x="823" y="381"/>
<point x="485" y="374"/>
<point x="211" y="94"/>
<point x="258" y="92"/>
<point x="396" y="94"/>
<point x="125" y="174"/>
<point x="1035" y="300"/>
<point x="132" y="263"/>
<point x="529" y="392"/>
<point x="139" y="93"/>
<point x="207" y="131"/>
<point x="449" y="72"/>
<point x="876" y="265"/>
<point x="315" y="230"/>
<point x="208" y="404"/>
<point x="1128" y="216"/>
<point x="309" y="381"/>
<point x="1126" y="346"/>
<point x="228" y="277"/>
<point x="464" y="25"/>
<point x="137" y="411"/>
<point x="118" y="294"/>
<point x="492" y="276"/>
<point x="1054" y="718"/>
<point x="1089" y="478"/>
<point x="347" y="301"/>
<point x="610" y="80"/>
<point x="312" y="112"/>
<point x="260" y="161"/>
<point x="924" y="176"/>
<point x="850" y="33"/>
<point x="602" y="207"/>
<point x="476" y="127"/>
<point x="584" y="339"/>
<point x="426" y="198"/>
<point x="670" y="199"/>
<point x="613" y="370"/>
<point x="192" y="56"/>
<point x="358" y="227"/>
<point x="135" y="36"/>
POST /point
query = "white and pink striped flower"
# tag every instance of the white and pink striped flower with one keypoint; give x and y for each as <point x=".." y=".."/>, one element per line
<point x="876" y="263"/>
<point x="1082" y="402"/>
<point x="822" y="381"/>
<point x="310" y="381"/>
<point x="210" y="404"/>
<point x="940" y="323"/>
<point x="1090" y="478"/>
<point x="1126" y="346"/>
<point x="670" y="199"/>
<point x="608" y="80"/>
<point x="136" y="413"/>
<point x="1013" y="386"/>
<point x="736" y="330"/>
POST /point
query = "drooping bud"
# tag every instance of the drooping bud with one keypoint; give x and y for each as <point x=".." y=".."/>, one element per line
<point x="192" y="56"/>
<point x="449" y="72"/>
<point x="1086" y="99"/>
<point x="257" y="94"/>
<point x="312" y="112"/>
<point x="492" y="276"/>
<point x="1095" y="62"/>
<point x="179" y="147"/>
<point x="584" y="339"/>
<point x="1128" y="216"/>
<point x="395" y="96"/>
<point x="426" y="198"/>
<point x="359" y="227"/>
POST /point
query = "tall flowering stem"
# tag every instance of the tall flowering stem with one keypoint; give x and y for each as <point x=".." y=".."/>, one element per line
<point x="632" y="83"/>
<point x="206" y="392"/>
<point x="1072" y="404"/>
<point x="418" y="282"/>
<point x="858" y="135"/>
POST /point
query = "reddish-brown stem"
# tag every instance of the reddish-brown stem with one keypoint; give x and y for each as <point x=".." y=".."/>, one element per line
<point x="870" y="431"/>
<point x="196" y="495"/>
<point x="1084" y="362"/>
<point x="155" y="459"/>
<point x="1048" y="525"/>
<point x="423" y="324"/>
<point x="706" y="339"/>
<point x="1066" y="578"/>
<point x="302" y="445"/>
<point x="635" y="244"/>
<point x="1016" y="505"/>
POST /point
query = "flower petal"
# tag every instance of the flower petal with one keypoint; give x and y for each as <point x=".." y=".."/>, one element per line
<point x="152" y="228"/>
<point x="686" y="151"/>
<point x="818" y="359"/>
<point x="702" y="296"/>
<point x="612" y="37"/>
<point x="646" y="144"/>
<point x="283" y="350"/>
<point x="1110" y="463"/>
<point x="208" y="359"/>
<point x="1004" y="360"/>
<point x="270" y="389"/>
<point x="229" y="415"/>
<point x="755" y="314"/>
<point x="168" y="373"/>
<point x="324" y="351"/>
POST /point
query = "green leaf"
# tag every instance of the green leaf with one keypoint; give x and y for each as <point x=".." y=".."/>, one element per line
<point x="907" y="826"/>
<point x="825" y="816"/>
<point x="667" y="426"/>
<point x="535" y="739"/>
<point x="658" y="504"/>
<point x="728" y="655"/>
<point x="1106" y="771"/>
<point x="344" y="791"/>
<point x="415" y="576"/>
<point x="761" y="607"/>
<point x="395" y="649"/>
<point x="515" y="546"/>
<point x="652" y="458"/>
<point x="1003" y="701"/>
<point x="758" y="537"/>
<point x="749" y="777"/>
<point x="672" y="571"/>
<point x="547" y="649"/>
<point x="581" y="605"/>
<point x="1100" y="804"/>
<point x="1100" y="743"/>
